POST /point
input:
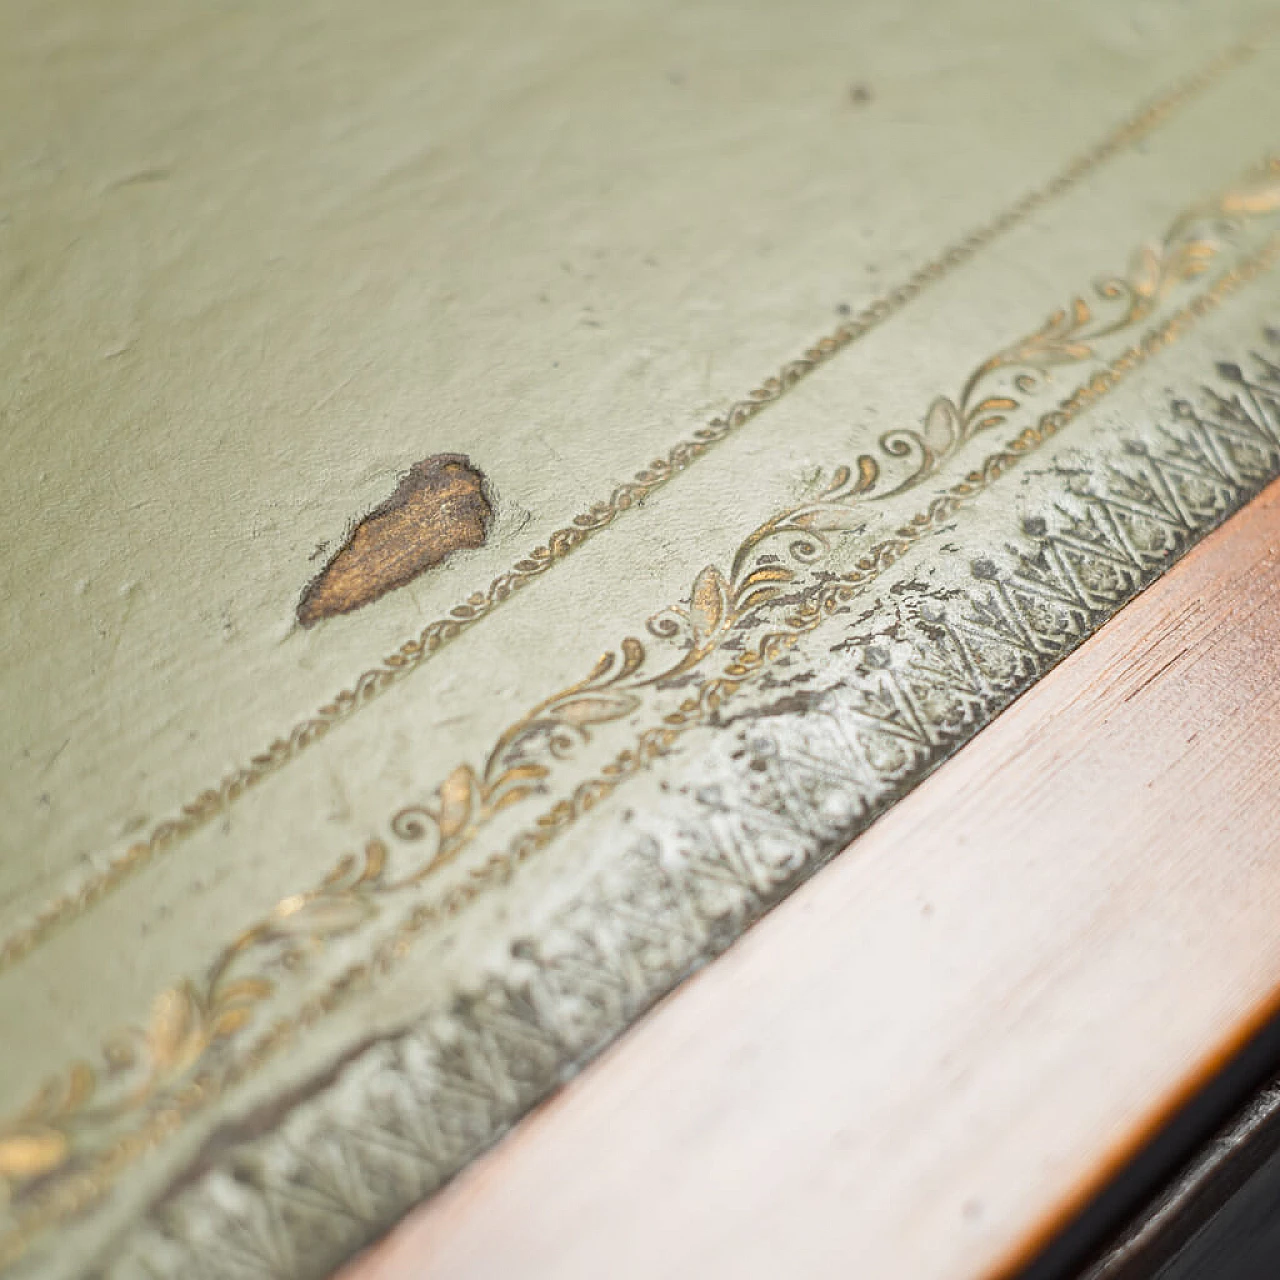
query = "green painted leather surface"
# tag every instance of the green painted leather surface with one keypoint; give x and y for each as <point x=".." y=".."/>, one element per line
<point x="256" y="261"/>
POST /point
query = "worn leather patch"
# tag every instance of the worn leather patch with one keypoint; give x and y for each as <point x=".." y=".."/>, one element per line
<point x="438" y="508"/>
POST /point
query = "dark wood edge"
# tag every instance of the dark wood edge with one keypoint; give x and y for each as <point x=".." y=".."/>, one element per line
<point x="1185" y="1173"/>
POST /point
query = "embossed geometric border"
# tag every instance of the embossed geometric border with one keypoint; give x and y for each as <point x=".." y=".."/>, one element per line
<point x="778" y="797"/>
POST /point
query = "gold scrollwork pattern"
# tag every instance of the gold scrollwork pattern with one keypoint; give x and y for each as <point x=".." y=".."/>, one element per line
<point x="213" y="802"/>
<point x="67" y="1144"/>
<point x="1071" y="334"/>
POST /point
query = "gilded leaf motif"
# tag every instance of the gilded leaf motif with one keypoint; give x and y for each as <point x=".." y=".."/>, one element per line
<point x="244" y="991"/>
<point x="942" y="425"/>
<point x="709" y="602"/>
<point x="228" y="1022"/>
<point x="455" y="801"/>
<point x="326" y="915"/>
<point x="826" y="519"/>
<point x="176" y="1035"/>
<point x="1144" y="274"/>
<point x="29" y="1153"/>
<point x="1262" y="196"/>
<point x="596" y="708"/>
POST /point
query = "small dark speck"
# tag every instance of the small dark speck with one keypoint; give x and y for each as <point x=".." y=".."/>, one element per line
<point x="321" y="548"/>
<point x="675" y="77"/>
<point x="972" y="1210"/>
<point x="844" y="309"/>
<point x="859" y="95"/>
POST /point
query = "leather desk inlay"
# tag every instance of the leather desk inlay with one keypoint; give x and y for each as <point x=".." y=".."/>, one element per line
<point x="275" y="995"/>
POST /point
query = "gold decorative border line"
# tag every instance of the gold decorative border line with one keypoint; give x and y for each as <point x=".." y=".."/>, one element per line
<point x="215" y="801"/>
<point x="170" y="1070"/>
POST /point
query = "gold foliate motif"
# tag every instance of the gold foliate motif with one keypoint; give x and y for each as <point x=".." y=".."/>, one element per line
<point x="1071" y="334"/>
<point x="214" y="801"/>
<point x="67" y="1145"/>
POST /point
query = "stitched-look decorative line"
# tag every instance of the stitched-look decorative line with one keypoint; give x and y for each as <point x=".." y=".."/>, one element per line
<point x="180" y="1028"/>
<point x="214" y="801"/>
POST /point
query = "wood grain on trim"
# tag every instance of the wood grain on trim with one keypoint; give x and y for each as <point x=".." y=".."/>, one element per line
<point x="928" y="1058"/>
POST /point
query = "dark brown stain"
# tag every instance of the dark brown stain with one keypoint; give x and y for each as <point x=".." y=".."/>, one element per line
<point x="440" y="507"/>
<point x="801" y="702"/>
